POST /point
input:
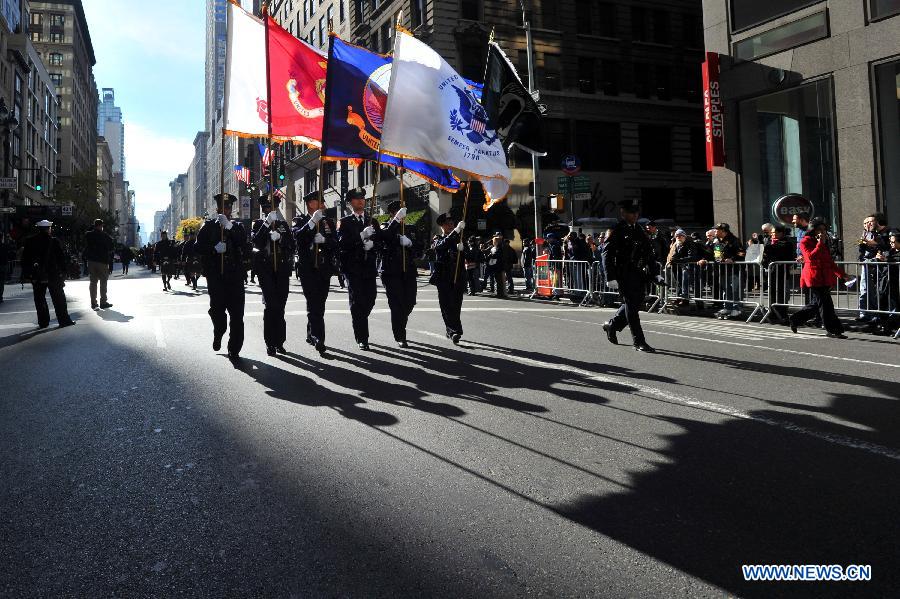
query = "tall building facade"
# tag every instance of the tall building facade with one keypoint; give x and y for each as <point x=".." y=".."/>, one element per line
<point x="197" y="177"/>
<point x="620" y="81"/>
<point x="111" y="126"/>
<point x="811" y="98"/>
<point x="106" y="196"/>
<point x="59" y="31"/>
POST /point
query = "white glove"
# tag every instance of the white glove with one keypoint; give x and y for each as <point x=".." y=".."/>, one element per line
<point x="460" y="246"/>
<point x="493" y="250"/>
<point x="317" y="216"/>
<point x="460" y="226"/>
<point x="368" y="245"/>
<point x="274" y="235"/>
<point x="401" y="214"/>
<point x="272" y="217"/>
<point x="220" y="247"/>
<point x="404" y="240"/>
<point x="223" y="220"/>
<point x="319" y="238"/>
<point x="367" y="232"/>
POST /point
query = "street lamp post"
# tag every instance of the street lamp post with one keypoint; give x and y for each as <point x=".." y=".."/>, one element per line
<point x="8" y="124"/>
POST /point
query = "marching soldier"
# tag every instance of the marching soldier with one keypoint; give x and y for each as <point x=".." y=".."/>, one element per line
<point x="223" y="249"/>
<point x="164" y="255"/>
<point x="315" y="237"/>
<point x="448" y="275"/>
<point x="398" y="271"/>
<point x="44" y="264"/>
<point x="628" y="258"/>
<point x="356" y="242"/>
<point x="274" y="264"/>
<point x="190" y="259"/>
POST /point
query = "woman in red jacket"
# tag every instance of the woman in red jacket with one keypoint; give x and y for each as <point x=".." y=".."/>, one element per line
<point x="818" y="275"/>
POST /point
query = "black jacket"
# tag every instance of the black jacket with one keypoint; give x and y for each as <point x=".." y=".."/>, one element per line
<point x="234" y="262"/>
<point x="306" y="249"/>
<point x="391" y="254"/>
<point x="98" y="246"/>
<point x="164" y="250"/>
<point x="687" y="253"/>
<point x="628" y="252"/>
<point x="781" y="250"/>
<point x="355" y="260"/>
<point x="282" y="250"/>
<point x="446" y="263"/>
<point x="43" y="259"/>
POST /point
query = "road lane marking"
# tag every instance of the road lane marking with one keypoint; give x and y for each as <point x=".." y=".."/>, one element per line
<point x="158" y="331"/>
<point x="690" y="402"/>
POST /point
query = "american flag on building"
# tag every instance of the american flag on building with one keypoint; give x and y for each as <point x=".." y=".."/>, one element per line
<point x="242" y="173"/>
<point x="265" y="153"/>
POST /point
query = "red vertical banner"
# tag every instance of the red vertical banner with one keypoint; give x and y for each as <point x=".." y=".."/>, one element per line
<point x="713" y="114"/>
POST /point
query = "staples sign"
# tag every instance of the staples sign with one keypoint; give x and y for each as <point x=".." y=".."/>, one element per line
<point x="713" y="114"/>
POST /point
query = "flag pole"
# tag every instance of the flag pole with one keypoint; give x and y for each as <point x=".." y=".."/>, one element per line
<point x="403" y="221"/>
<point x="322" y="166"/>
<point x="529" y="45"/>
<point x="265" y="14"/>
<point x="461" y="235"/>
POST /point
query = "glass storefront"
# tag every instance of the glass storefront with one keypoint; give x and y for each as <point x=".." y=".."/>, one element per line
<point x="787" y="146"/>
<point x="887" y="100"/>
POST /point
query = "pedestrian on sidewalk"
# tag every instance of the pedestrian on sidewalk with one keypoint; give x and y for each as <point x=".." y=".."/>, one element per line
<point x="44" y="264"/>
<point x="98" y="251"/>
<point x="818" y="276"/>
<point x="126" y="256"/>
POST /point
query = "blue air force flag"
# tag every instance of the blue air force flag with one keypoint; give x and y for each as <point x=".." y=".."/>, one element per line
<point x="356" y="91"/>
<point x="433" y="116"/>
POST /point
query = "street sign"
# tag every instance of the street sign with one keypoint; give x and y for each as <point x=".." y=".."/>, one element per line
<point x="9" y="183"/>
<point x="581" y="184"/>
<point x="571" y="165"/>
<point x="578" y="188"/>
<point x="7" y="210"/>
<point x="581" y="196"/>
<point x="67" y="210"/>
<point x="787" y="206"/>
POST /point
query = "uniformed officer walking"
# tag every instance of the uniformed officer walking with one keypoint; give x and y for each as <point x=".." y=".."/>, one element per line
<point x="164" y="255"/>
<point x="44" y="264"/>
<point x="628" y="258"/>
<point x="274" y="265"/>
<point x="223" y="248"/>
<point x="448" y="275"/>
<point x="190" y="259"/>
<point x="356" y="243"/>
<point x="397" y="270"/>
<point x="315" y="237"/>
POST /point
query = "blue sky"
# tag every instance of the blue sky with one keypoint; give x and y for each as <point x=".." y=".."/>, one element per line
<point x="153" y="55"/>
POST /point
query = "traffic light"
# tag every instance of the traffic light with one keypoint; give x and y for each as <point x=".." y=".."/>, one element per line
<point x="281" y="176"/>
<point x="38" y="185"/>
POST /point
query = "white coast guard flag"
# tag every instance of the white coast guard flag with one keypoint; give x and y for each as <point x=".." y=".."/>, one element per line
<point x="431" y="115"/>
<point x="246" y="107"/>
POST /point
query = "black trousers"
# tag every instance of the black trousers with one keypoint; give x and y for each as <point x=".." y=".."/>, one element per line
<point x="632" y="291"/>
<point x="315" y="289"/>
<point x="57" y="296"/>
<point x="275" y="287"/>
<point x="473" y="281"/>
<point x="450" y="298"/>
<point x="401" y="296"/>
<point x="820" y="304"/>
<point x="227" y="294"/>
<point x="362" y="291"/>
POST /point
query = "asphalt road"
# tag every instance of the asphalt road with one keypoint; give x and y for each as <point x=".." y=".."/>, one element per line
<point x="533" y="459"/>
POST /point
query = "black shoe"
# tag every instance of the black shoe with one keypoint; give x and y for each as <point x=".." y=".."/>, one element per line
<point x="43" y="326"/>
<point x="836" y="335"/>
<point x="793" y="324"/>
<point x="280" y="349"/>
<point x="310" y="340"/>
<point x="95" y="306"/>
<point x="455" y="338"/>
<point x="320" y="347"/>
<point x="234" y="356"/>
<point x="105" y="305"/>
<point x="363" y="346"/>
<point x="270" y="350"/>
<point x="644" y="348"/>
<point x="611" y="333"/>
<point x="403" y="344"/>
<point x="217" y="343"/>
<point x="68" y="323"/>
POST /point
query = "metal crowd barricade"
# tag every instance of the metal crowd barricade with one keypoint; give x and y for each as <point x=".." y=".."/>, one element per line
<point x="605" y="292"/>
<point x="564" y="278"/>
<point x="875" y="292"/>
<point x="731" y="285"/>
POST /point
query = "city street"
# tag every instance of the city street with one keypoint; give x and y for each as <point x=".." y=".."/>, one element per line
<point x="533" y="459"/>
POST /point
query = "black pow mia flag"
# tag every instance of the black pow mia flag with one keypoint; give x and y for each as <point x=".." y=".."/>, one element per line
<point x="511" y="109"/>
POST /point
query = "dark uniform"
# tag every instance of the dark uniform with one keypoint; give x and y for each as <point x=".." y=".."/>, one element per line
<point x="164" y="255"/>
<point x="360" y="269"/>
<point x="315" y="264"/>
<point x="398" y="274"/>
<point x="274" y="262"/>
<point x="44" y="264"/>
<point x="191" y="261"/>
<point x="449" y="279"/>
<point x="224" y="272"/>
<point x="629" y="259"/>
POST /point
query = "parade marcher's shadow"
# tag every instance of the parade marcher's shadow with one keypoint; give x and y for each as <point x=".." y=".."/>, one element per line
<point x="289" y="386"/>
<point x="114" y="316"/>
<point x="372" y="388"/>
<point x="15" y="338"/>
<point x="747" y="492"/>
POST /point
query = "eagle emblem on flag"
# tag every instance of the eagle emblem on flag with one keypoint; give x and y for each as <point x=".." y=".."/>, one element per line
<point x="471" y="118"/>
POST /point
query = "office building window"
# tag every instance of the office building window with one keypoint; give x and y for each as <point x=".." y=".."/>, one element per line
<point x="342" y="10"/>
<point x="56" y="78"/>
<point x="791" y="35"/>
<point x="471" y="60"/>
<point x="661" y="28"/>
<point x="37" y="18"/>
<point x="387" y="37"/>
<point x="586" y="68"/>
<point x="641" y="80"/>
<point x="880" y="9"/>
<point x="305" y="12"/>
<point x="329" y="15"/>
<point x="470" y="9"/>
<point x="887" y="100"/>
<point x="57" y="20"/>
<point x="663" y="82"/>
<point x="639" y="24"/>
<point x="550" y="14"/>
<point x="417" y="16"/>
<point x="787" y="146"/>
<point x="749" y="13"/>
<point x="655" y="142"/>
<point x="692" y="31"/>
<point x="698" y="149"/>
<point x="610" y="77"/>
<point x="584" y="16"/>
<point x="606" y="19"/>
<point x="57" y="38"/>
<point x="599" y="145"/>
<point x="55" y="59"/>
<point x="557" y="138"/>
<point x="552" y="72"/>
<point x="322" y="30"/>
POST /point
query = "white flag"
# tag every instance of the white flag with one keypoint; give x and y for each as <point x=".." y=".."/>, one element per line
<point x="246" y="105"/>
<point x="431" y="115"/>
